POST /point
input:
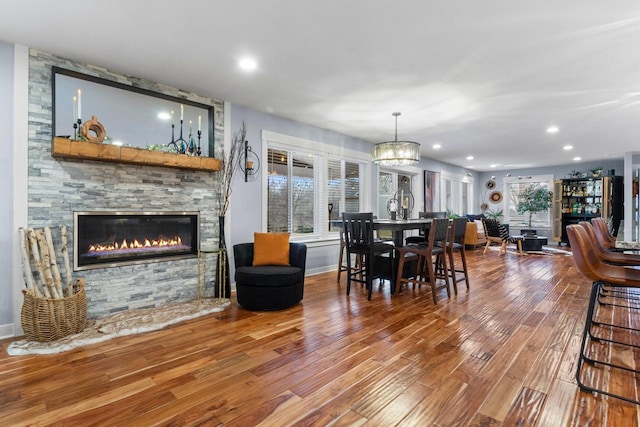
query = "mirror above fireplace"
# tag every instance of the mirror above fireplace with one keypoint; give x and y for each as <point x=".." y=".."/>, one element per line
<point x="132" y="116"/>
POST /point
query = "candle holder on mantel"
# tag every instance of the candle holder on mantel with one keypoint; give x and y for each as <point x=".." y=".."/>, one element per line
<point x="76" y="125"/>
<point x="249" y="163"/>
<point x="180" y="145"/>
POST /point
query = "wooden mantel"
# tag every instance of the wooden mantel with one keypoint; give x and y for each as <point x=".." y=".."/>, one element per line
<point x="74" y="149"/>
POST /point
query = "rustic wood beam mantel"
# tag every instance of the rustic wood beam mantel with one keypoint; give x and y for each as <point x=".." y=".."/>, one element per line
<point x="74" y="149"/>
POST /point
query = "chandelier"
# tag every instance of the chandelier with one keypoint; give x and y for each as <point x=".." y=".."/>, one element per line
<point x="396" y="153"/>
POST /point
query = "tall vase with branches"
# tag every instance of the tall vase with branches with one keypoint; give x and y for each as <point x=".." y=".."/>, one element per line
<point x="229" y="165"/>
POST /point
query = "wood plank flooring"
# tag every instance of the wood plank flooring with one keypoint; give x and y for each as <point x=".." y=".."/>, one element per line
<point x="502" y="353"/>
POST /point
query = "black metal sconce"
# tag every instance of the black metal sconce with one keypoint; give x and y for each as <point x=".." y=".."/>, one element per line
<point x="249" y="163"/>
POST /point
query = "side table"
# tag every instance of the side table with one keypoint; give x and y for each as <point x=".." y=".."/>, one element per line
<point x="201" y="285"/>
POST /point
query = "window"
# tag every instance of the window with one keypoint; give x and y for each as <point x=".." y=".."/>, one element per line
<point x="290" y="183"/>
<point x="457" y="193"/>
<point x="309" y="185"/>
<point x="343" y="188"/>
<point x="513" y="187"/>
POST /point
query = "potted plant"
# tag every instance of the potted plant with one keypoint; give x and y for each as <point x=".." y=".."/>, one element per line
<point x="497" y="214"/>
<point x="596" y="172"/>
<point x="451" y="214"/>
<point x="532" y="199"/>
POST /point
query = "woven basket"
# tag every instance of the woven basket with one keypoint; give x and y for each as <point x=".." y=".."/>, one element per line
<point x="49" y="319"/>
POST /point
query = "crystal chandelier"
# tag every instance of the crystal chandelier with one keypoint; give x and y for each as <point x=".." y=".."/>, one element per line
<point x="396" y="153"/>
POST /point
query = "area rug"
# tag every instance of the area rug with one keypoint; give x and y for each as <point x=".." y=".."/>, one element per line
<point x="546" y="250"/>
<point x="120" y="324"/>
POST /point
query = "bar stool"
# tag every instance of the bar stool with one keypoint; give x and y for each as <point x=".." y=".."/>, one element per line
<point x="421" y="238"/>
<point x="455" y="243"/>
<point x="431" y="264"/>
<point x="342" y="266"/>
<point x="358" y="236"/>
<point x="605" y="238"/>
<point x="622" y="278"/>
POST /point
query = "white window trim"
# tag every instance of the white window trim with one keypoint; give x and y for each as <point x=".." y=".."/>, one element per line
<point x="524" y="180"/>
<point x="325" y="151"/>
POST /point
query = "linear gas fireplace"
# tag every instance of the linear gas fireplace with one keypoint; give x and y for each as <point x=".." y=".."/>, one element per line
<point x="109" y="239"/>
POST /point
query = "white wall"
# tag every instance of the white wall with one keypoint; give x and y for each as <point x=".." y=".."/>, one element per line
<point x="13" y="181"/>
<point x="6" y="189"/>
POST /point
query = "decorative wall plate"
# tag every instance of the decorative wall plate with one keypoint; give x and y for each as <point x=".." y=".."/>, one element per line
<point x="491" y="184"/>
<point x="484" y="206"/>
<point x="495" y="197"/>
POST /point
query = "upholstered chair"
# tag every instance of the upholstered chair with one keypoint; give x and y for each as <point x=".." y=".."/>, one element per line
<point x="269" y="287"/>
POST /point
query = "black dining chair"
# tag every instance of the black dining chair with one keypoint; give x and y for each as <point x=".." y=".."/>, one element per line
<point x="455" y="244"/>
<point x="342" y="265"/>
<point x="376" y="257"/>
<point x="421" y="238"/>
<point x="432" y="262"/>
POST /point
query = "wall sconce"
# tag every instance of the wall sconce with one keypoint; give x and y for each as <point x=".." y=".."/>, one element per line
<point x="249" y="163"/>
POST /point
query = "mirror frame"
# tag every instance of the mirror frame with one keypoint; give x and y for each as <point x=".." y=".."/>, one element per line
<point x="75" y="74"/>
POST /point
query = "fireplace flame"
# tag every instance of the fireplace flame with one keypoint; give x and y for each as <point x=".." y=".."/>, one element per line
<point x="136" y="244"/>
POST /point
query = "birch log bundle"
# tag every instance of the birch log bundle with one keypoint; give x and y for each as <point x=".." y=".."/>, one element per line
<point x="52" y="308"/>
<point x="37" y="246"/>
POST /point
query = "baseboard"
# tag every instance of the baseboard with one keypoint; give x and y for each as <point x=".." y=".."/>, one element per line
<point x="319" y="270"/>
<point x="6" y="331"/>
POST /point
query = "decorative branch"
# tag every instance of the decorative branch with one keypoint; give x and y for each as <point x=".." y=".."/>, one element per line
<point x="26" y="266"/>
<point x="65" y="257"/>
<point x="46" y="263"/>
<point x="229" y="165"/>
<point x="31" y="234"/>
<point x="57" y="279"/>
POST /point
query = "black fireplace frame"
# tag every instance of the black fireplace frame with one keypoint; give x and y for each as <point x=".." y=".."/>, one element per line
<point x="141" y="260"/>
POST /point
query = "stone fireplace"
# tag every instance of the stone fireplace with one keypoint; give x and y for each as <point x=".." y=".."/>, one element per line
<point x="109" y="239"/>
<point x="59" y="188"/>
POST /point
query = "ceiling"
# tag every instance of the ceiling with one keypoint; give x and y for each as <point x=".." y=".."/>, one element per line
<point x="481" y="78"/>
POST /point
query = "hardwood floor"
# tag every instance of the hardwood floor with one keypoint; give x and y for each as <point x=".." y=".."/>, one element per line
<point x="502" y="353"/>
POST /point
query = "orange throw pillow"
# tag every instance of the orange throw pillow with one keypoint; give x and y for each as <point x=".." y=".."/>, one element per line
<point x="270" y="249"/>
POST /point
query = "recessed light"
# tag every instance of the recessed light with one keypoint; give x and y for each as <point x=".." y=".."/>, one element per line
<point x="493" y="166"/>
<point x="164" y="115"/>
<point x="247" y="64"/>
<point x="437" y="146"/>
<point x="469" y="157"/>
<point x="577" y="159"/>
<point x="567" y="147"/>
<point x="553" y="129"/>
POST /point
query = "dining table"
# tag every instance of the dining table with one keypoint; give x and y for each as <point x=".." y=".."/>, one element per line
<point x="396" y="226"/>
<point x="399" y="226"/>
